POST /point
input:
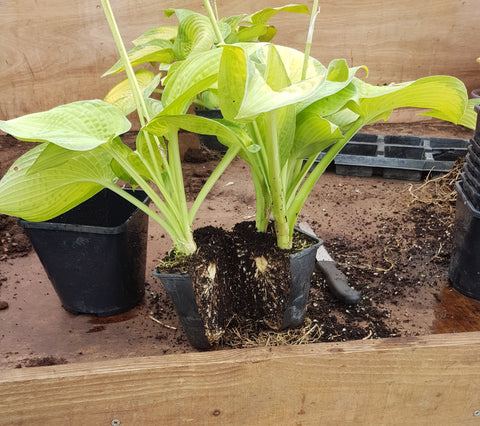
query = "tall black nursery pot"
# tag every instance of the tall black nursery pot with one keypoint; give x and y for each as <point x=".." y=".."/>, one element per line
<point x="95" y="254"/>
<point x="464" y="270"/>
<point x="180" y="289"/>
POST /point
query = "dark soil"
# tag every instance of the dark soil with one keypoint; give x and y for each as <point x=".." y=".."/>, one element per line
<point x="13" y="241"/>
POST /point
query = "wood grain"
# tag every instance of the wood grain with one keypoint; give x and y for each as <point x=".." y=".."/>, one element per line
<point x="55" y="52"/>
<point x="424" y="380"/>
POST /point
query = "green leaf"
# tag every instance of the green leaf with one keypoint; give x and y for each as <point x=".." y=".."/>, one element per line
<point x="269" y="34"/>
<point x="180" y="13"/>
<point x="133" y="159"/>
<point x="314" y="134"/>
<point x="79" y="126"/>
<point x="444" y="96"/>
<point x="251" y="33"/>
<point x="153" y="51"/>
<point x="244" y="90"/>
<point x="264" y="15"/>
<point x="232" y="80"/>
<point x="229" y="133"/>
<point x="54" y="187"/>
<point x="158" y="33"/>
<point x="469" y="118"/>
<point x="151" y="153"/>
<point x="121" y="95"/>
<point x="195" y="34"/>
<point x="193" y="76"/>
<point x="332" y="104"/>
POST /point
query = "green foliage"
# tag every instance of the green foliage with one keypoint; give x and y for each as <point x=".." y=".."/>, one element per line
<point x="286" y="121"/>
<point x="281" y="109"/>
<point x="195" y="34"/>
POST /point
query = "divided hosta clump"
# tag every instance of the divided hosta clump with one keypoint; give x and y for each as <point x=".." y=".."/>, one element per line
<point x="241" y="276"/>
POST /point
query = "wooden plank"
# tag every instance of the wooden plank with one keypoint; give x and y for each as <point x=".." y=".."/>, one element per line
<point x="423" y="380"/>
<point x="56" y="54"/>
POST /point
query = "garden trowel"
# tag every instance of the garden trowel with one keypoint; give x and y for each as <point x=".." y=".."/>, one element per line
<point x="336" y="279"/>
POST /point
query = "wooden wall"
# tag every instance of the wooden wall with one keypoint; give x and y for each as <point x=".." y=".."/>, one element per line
<point x="430" y="380"/>
<point x="53" y="52"/>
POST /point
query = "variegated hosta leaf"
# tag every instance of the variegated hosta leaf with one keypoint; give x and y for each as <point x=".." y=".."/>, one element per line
<point x="469" y="118"/>
<point x="79" y="126"/>
<point x="158" y="33"/>
<point x="444" y="96"/>
<point x="228" y="133"/>
<point x="121" y="95"/>
<point x="193" y="76"/>
<point x="195" y="34"/>
<point x="264" y="15"/>
<point x="152" y="51"/>
<point x="38" y="189"/>
<point x="244" y="93"/>
<point x="314" y="134"/>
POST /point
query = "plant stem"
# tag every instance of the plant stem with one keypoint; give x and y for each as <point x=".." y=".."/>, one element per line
<point x="222" y="165"/>
<point x="181" y="235"/>
<point x="308" y="45"/>
<point x="175" y="162"/>
<point x="213" y="21"/>
<point x="311" y="180"/>
<point x="139" y="101"/>
<point x="275" y="175"/>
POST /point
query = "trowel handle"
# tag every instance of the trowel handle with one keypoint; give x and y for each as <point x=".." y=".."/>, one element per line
<point x="337" y="282"/>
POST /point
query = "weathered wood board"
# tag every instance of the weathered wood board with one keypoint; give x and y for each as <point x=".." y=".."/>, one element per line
<point x="422" y="381"/>
<point x="55" y="52"/>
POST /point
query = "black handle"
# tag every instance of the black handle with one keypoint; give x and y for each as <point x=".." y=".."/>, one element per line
<point x="337" y="282"/>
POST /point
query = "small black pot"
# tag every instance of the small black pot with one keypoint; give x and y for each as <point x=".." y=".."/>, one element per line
<point x="180" y="289"/>
<point x="210" y="141"/>
<point x="95" y="254"/>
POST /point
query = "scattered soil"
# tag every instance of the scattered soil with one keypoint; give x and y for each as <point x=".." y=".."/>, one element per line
<point x="391" y="238"/>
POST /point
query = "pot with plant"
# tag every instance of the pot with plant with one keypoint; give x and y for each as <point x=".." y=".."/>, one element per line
<point x="80" y="153"/>
<point x="281" y="108"/>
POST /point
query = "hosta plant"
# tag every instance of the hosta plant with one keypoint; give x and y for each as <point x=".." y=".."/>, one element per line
<point x="282" y="108"/>
<point x="80" y="151"/>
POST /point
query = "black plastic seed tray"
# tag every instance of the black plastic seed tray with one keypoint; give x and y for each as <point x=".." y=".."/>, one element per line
<point x="398" y="157"/>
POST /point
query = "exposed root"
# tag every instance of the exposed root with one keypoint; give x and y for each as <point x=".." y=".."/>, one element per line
<point x="439" y="190"/>
<point x="161" y="323"/>
<point x="249" y="336"/>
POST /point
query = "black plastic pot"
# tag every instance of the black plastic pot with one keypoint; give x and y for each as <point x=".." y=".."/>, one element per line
<point x="180" y="289"/>
<point x="476" y="135"/>
<point x="464" y="270"/>
<point x="95" y="254"/>
<point x="209" y="141"/>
